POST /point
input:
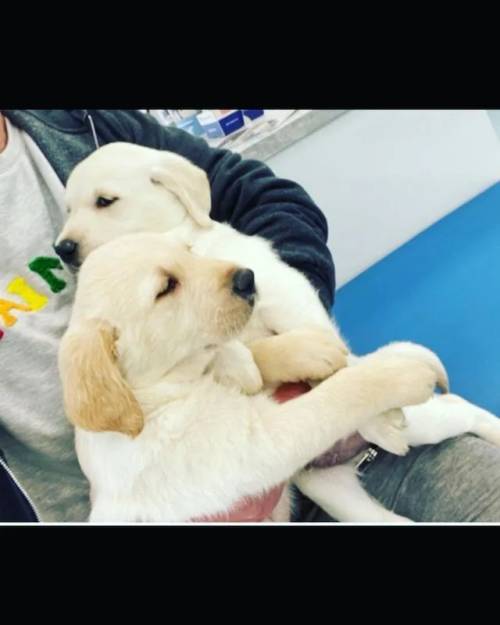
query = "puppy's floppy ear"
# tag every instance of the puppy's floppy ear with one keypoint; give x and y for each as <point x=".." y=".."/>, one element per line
<point x="189" y="183"/>
<point x="96" y="397"/>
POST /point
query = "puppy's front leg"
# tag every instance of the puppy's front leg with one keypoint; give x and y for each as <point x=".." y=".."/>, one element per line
<point x="299" y="431"/>
<point x="298" y="355"/>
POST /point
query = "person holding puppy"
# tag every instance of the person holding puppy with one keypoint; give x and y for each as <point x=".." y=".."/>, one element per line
<point x="40" y="478"/>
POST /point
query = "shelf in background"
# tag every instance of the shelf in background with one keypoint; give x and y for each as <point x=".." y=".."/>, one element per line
<point x="276" y="131"/>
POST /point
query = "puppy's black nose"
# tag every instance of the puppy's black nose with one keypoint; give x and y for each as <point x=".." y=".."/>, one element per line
<point x="244" y="284"/>
<point x="67" y="250"/>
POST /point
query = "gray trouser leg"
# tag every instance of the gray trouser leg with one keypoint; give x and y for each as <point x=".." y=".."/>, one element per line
<point x="455" y="481"/>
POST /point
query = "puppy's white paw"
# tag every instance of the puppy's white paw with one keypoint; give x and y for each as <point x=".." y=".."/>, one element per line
<point x="394" y="382"/>
<point x="317" y="357"/>
<point x="299" y="355"/>
<point x="485" y="424"/>
<point x="235" y="367"/>
<point x="387" y="430"/>
<point x="414" y="350"/>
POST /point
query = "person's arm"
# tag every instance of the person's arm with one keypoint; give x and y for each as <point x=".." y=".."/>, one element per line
<point x="246" y="194"/>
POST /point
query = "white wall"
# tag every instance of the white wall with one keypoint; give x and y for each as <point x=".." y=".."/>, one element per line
<point x="383" y="176"/>
<point x="494" y="116"/>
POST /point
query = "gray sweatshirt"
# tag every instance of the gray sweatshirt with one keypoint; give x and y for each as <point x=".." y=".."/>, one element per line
<point x="35" y="300"/>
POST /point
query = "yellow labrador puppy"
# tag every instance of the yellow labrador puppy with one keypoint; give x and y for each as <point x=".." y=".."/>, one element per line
<point x="123" y="188"/>
<point x="148" y="318"/>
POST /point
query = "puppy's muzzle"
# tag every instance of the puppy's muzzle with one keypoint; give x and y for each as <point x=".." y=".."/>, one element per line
<point x="244" y="285"/>
<point x="67" y="250"/>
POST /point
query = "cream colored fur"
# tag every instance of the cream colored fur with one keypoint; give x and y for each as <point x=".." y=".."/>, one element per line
<point x="203" y="446"/>
<point x="289" y="336"/>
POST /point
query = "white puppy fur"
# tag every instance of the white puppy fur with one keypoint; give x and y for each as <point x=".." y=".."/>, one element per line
<point x="289" y="337"/>
<point x="142" y="335"/>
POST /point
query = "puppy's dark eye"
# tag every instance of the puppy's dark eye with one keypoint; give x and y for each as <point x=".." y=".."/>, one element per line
<point x="102" y="201"/>
<point x="169" y="288"/>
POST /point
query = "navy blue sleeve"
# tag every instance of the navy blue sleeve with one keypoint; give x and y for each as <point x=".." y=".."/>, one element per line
<point x="245" y="194"/>
<point x="14" y="505"/>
